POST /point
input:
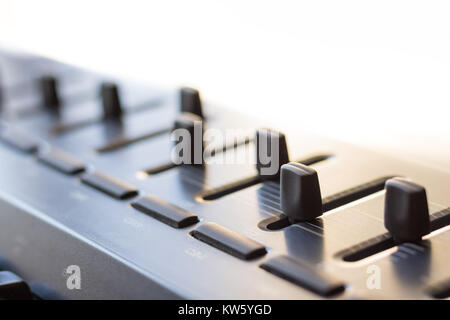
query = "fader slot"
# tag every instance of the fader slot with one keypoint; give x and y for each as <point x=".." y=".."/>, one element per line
<point x="64" y="127"/>
<point x="242" y="141"/>
<point x="160" y="168"/>
<point x="26" y="112"/>
<point x="52" y="92"/>
<point x="353" y="194"/>
<point x="149" y="105"/>
<point x="122" y="142"/>
<point x="386" y="241"/>
<point x="331" y="202"/>
<point x="217" y="193"/>
<point x="73" y="113"/>
<point x="224" y="190"/>
<point x="224" y="147"/>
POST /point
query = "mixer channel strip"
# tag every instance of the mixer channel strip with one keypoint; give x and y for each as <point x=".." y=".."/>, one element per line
<point x="385" y="241"/>
<point x="102" y="183"/>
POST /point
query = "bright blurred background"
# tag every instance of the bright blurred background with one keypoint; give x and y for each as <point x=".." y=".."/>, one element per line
<point x="374" y="73"/>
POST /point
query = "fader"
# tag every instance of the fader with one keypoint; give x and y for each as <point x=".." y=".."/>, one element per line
<point x="88" y="180"/>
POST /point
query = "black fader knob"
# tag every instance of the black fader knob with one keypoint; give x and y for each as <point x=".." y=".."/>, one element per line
<point x="190" y="101"/>
<point x="188" y="137"/>
<point x="271" y="153"/>
<point x="112" y="108"/>
<point x="49" y="92"/>
<point x="300" y="195"/>
<point x="406" y="210"/>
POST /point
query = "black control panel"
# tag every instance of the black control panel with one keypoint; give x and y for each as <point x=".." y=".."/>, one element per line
<point x="96" y="201"/>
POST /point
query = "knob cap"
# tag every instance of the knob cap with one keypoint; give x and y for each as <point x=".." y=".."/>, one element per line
<point x="271" y="153"/>
<point x="406" y="210"/>
<point x="49" y="92"/>
<point x="112" y="108"/>
<point x="300" y="195"/>
<point x="188" y="136"/>
<point x="190" y="101"/>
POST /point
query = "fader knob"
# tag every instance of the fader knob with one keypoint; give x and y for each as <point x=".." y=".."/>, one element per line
<point x="112" y="108"/>
<point x="406" y="210"/>
<point x="190" y="101"/>
<point x="49" y="92"/>
<point x="271" y="153"/>
<point x="300" y="195"/>
<point x="188" y="136"/>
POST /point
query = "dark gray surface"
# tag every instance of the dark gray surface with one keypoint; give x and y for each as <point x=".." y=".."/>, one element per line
<point x="49" y="221"/>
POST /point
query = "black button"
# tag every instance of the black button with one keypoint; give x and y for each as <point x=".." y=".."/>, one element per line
<point x="229" y="241"/>
<point x="303" y="275"/>
<point x="109" y="185"/>
<point x="19" y="140"/>
<point x="165" y="212"/>
<point x="61" y="161"/>
<point x="13" y="287"/>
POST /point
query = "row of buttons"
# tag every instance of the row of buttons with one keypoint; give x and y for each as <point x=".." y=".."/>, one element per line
<point x="281" y="266"/>
<point x="210" y="233"/>
<point x="66" y="163"/>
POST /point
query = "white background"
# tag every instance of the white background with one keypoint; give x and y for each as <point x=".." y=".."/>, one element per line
<point x="376" y="73"/>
